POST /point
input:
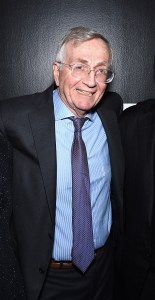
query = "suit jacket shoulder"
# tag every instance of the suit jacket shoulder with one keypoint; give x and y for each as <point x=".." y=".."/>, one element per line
<point x="26" y="102"/>
<point x="16" y="110"/>
<point x="113" y="101"/>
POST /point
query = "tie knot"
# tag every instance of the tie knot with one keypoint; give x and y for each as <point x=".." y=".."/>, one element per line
<point x="78" y="122"/>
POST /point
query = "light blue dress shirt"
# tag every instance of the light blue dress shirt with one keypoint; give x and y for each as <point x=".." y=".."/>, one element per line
<point x="95" y="140"/>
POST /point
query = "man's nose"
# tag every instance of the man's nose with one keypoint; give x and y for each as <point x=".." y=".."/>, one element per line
<point x="90" y="79"/>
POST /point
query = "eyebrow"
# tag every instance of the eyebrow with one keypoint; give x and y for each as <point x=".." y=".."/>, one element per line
<point x="103" y="63"/>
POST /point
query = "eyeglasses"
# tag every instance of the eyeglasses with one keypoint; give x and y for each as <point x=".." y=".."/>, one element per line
<point x="80" y="71"/>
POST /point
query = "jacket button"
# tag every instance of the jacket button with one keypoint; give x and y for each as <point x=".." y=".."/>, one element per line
<point x="41" y="271"/>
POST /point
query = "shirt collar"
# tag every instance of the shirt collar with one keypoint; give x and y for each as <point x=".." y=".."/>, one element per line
<point x="61" y="111"/>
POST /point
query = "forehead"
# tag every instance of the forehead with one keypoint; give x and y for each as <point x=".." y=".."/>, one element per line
<point x="95" y="49"/>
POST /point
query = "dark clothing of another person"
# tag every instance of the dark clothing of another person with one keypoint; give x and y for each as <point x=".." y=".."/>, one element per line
<point x="138" y="138"/>
<point x="11" y="285"/>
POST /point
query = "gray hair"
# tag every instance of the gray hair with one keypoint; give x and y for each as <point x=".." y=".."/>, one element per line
<point x="78" y="35"/>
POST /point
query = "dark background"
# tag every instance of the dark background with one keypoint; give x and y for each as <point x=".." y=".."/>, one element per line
<point x="30" y="32"/>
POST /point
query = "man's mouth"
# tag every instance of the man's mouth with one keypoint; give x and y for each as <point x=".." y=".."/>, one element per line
<point x="86" y="93"/>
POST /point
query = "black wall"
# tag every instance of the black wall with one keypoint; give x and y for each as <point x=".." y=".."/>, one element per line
<point x="30" y="31"/>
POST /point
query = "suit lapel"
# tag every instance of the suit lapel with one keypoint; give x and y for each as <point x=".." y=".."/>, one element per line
<point x="43" y="129"/>
<point x="110" y="124"/>
<point x="109" y="121"/>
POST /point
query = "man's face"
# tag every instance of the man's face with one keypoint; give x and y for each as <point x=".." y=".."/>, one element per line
<point x="81" y="95"/>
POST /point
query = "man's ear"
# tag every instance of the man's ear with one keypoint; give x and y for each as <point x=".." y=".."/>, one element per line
<point x="56" y="71"/>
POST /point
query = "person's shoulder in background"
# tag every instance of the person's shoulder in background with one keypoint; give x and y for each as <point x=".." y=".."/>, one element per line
<point x="143" y="109"/>
<point x="135" y="118"/>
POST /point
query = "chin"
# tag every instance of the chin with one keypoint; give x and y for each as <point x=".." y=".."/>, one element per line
<point x="86" y="105"/>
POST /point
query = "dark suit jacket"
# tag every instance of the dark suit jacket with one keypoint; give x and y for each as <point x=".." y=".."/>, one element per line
<point x="28" y="123"/>
<point x="138" y="138"/>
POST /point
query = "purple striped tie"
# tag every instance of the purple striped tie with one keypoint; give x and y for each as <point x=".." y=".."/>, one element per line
<point x="83" y="245"/>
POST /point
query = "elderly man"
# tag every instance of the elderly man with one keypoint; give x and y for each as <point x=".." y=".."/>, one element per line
<point x="67" y="176"/>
